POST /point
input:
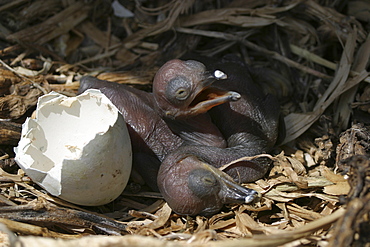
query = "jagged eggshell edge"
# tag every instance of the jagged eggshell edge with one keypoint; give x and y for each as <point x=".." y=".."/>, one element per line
<point x="91" y="169"/>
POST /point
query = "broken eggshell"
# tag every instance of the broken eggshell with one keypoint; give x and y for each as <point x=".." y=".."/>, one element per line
<point x="77" y="148"/>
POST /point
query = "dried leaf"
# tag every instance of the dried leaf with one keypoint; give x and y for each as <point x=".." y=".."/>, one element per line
<point x="163" y="216"/>
<point x="339" y="188"/>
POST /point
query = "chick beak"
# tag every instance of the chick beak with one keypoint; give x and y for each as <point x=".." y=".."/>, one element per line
<point x="208" y="97"/>
<point x="211" y="77"/>
<point x="230" y="191"/>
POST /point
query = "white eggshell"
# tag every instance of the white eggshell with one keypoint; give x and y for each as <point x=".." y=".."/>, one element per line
<point x="77" y="148"/>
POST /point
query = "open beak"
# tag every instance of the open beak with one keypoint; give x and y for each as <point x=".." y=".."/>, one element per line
<point x="207" y="97"/>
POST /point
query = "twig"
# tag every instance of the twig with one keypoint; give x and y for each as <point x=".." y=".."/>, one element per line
<point x="88" y="60"/>
<point x="28" y="229"/>
<point x="36" y="85"/>
<point x="9" y="49"/>
<point x="11" y="4"/>
<point x="5" y="156"/>
<point x="312" y="57"/>
<point x="319" y="60"/>
<point x="255" y="47"/>
<point x="247" y="159"/>
<point x="47" y="213"/>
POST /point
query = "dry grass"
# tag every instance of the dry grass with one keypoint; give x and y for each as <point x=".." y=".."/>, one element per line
<point x="317" y="192"/>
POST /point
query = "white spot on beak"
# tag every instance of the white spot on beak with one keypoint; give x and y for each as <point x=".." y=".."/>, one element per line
<point x="218" y="74"/>
<point x="253" y="194"/>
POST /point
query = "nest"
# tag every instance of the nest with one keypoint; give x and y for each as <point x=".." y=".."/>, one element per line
<point x="317" y="53"/>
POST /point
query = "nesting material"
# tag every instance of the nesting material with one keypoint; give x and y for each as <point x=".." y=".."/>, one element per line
<point x="77" y="148"/>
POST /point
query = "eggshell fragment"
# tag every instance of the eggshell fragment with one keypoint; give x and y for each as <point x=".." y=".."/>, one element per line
<point x="77" y="148"/>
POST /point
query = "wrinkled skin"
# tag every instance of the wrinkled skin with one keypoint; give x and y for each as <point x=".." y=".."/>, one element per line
<point x="254" y="120"/>
<point x="250" y="126"/>
<point x="195" y="187"/>
<point x="184" y="93"/>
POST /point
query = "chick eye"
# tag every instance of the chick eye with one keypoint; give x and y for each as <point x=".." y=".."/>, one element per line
<point x="178" y="89"/>
<point x="209" y="180"/>
<point x="203" y="183"/>
<point x="181" y="94"/>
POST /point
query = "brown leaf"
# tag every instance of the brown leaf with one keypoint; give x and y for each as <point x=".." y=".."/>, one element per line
<point x="163" y="216"/>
